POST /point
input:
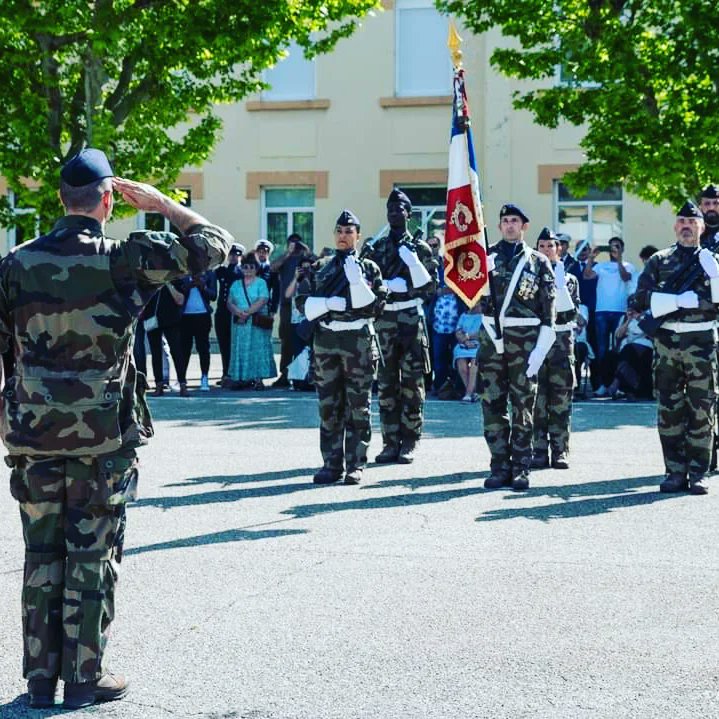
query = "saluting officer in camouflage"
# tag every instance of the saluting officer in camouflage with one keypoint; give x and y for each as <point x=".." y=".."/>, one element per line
<point x="344" y="295"/>
<point x="409" y="269"/>
<point x="508" y="365"/>
<point x="555" y="381"/>
<point x="74" y="412"/>
<point x="685" y="357"/>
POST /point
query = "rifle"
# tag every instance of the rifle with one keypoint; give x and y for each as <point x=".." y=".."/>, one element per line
<point x="679" y="281"/>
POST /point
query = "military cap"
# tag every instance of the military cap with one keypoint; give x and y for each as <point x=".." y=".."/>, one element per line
<point x="264" y="243"/>
<point x="88" y="166"/>
<point x="689" y="209"/>
<point x="511" y="209"/>
<point x="564" y="238"/>
<point x="237" y="249"/>
<point x="711" y="192"/>
<point x="398" y="196"/>
<point x="348" y="218"/>
<point x="547" y="234"/>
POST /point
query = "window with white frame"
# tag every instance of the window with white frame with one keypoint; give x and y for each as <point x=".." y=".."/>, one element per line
<point x="288" y="210"/>
<point x="292" y="78"/>
<point x="595" y="216"/>
<point x="28" y="224"/>
<point x="429" y="207"/>
<point x="423" y="66"/>
<point x="159" y="223"/>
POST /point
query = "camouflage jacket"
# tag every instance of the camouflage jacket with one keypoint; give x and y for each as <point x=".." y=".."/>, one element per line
<point x="328" y="279"/>
<point x="659" y="268"/>
<point x="68" y="306"/>
<point x="534" y="294"/>
<point x="384" y="251"/>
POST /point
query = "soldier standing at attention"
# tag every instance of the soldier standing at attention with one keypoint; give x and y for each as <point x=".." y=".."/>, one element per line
<point x="508" y="366"/>
<point x="74" y="412"/>
<point x="344" y="294"/>
<point x="685" y="369"/>
<point x="555" y="381"/>
<point x="410" y="273"/>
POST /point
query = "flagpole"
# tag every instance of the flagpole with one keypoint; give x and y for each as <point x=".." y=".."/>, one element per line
<point x="454" y="42"/>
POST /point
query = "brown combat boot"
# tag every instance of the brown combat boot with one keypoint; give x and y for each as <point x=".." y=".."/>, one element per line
<point x="497" y="481"/>
<point x="353" y="476"/>
<point x="388" y="455"/>
<point x="108" y="688"/>
<point x="407" y="453"/>
<point x="540" y="461"/>
<point x="327" y="475"/>
<point x="520" y="483"/>
<point x="560" y="461"/>
<point x="41" y="691"/>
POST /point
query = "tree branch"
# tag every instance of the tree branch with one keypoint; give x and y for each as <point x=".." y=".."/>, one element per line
<point x="51" y="88"/>
<point x="129" y="63"/>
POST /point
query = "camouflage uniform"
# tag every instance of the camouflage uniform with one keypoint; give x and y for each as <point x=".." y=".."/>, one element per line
<point x="403" y="340"/>
<point x="555" y="382"/>
<point x="685" y="368"/>
<point x="503" y="379"/>
<point x="344" y="361"/>
<point x="73" y="414"/>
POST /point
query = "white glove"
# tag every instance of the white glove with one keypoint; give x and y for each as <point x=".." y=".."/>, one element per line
<point x="490" y="262"/>
<point x="417" y="271"/>
<point x="353" y="272"/>
<point x="709" y="263"/>
<point x="336" y="304"/>
<point x="396" y="284"/>
<point x="360" y="294"/>
<point x="317" y="306"/>
<point x="560" y="280"/>
<point x="689" y="300"/>
<point x="537" y="356"/>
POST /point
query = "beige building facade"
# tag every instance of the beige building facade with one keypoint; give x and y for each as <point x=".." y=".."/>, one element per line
<point x="342" y="130"/>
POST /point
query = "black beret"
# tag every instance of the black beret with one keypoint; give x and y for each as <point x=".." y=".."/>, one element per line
<point x="689" y="209"/>
<point x="348" y="218"/>
<point x="547" y="234"/>
<point x="711" y="192"/>
<point x="237" y="249"/>
<point x="510" y="209"/>
<point x="88" y="166"/>
<point x="398" y="196"/>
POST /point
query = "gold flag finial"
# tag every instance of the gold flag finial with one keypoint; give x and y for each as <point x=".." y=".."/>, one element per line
<point x="454" y="43"/>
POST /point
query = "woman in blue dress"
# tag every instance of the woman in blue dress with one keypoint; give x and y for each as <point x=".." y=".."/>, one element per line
<point x="465" y="351"/>
<point x="251" y="358"/>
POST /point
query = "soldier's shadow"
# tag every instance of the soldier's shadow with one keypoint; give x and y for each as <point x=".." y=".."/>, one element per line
<point x="592" y="498"/>
<point x="19" y="707"/>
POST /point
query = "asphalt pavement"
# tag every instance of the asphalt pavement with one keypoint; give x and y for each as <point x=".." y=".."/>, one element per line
<point x="248" y="592"/>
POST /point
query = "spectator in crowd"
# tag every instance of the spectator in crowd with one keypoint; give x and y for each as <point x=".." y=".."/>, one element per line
<point x="587" y="342"/>
<point x="568" y="260"/>
<point x="263" y="250"/>
<point x="303" y="272"/>
<point x="226" y="276"/>
<point x="614" y="280"/>
<point x="465" y="351"/>
<point x="163" y="320"/>
<point x="444" y="324"/>
<point x="285" y="267"/>
<point x="646" y="252"/>
<point x="251" y="358"/>
<point x="633" y="377"/>
<point x="196" y="323"/>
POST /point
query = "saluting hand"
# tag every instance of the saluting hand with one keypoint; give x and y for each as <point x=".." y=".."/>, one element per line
<point x="138" y="194"/>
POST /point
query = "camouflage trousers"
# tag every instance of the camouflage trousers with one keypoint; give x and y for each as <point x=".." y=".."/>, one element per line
<point x="73" y="519"/>
<point x="344" y="368"/>
<point x="504" y="383"/>
<point x="405" y="352"/>
<point x="553" y="409"/>
<point x="685" y="380"/>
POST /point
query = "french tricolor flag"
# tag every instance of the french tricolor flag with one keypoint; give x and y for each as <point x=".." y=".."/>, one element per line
<point x="465" y="255"/>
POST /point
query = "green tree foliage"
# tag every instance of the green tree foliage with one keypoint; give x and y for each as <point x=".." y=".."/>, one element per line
<point x="642" y="74"/>
<point x="138" y="78"/>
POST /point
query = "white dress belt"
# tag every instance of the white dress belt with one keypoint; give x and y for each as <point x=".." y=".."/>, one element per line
<point x="682" y="327"/>
<point x="339" y="326"/>
<point x="566" y="327"/>
<point x="520" y="322"/>
<point x="404" y="305"/>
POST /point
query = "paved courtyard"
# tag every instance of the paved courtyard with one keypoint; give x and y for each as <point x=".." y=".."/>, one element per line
<point x="247" y="592"/>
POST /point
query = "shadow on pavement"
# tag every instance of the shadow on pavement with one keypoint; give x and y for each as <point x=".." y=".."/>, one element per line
<point x="613" y="495"/>
<point x="226" y="480"/>
<point x="397" y="500"/>
<point x="19" y="708"/>
<point x="419" y="482"/>
<point x="229" y="535"/>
